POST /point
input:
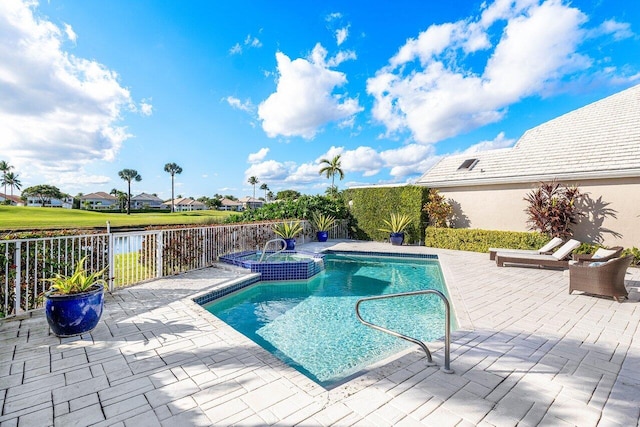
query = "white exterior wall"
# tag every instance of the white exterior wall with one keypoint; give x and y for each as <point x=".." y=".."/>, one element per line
<point x="612" y="205"/>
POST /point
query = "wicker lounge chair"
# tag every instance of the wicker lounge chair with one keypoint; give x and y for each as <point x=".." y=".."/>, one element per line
<point x="546" y="249"/>
<point x="606" y="279"/>
<point x="600" y="255"/>
<point x="556" y="259"/>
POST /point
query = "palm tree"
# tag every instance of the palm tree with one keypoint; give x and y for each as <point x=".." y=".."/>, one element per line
<point x="11" y="179"/>
<point x="129" y="175"/>
<point x="332" y="168"/>
<point x="253" y="181"/>
<point x="173" y="169"/>
<point x="5" y="168"/>
<point x="265" y="187"/>
<point x="270" y="195"/>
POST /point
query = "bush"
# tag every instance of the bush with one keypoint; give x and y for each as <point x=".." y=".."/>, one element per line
<point x="465" y="239"/>
<point x="552" y="209"/>
<point x="301" y="208"/>
<point x="371" y="206"/>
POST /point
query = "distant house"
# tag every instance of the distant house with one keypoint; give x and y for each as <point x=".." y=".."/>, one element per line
<point x="230" y="205"/>
<point x="13" y="200"/>
<point x="147" y="201"/>
<point x="596" y="147"/>
<point x="98" y="201"/>
<point x="251" y="203"/>
<point x="66" y="203"/>
<point x="184" y="204"/>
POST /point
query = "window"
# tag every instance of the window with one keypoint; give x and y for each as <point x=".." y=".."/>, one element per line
<point x="468" y="164"/>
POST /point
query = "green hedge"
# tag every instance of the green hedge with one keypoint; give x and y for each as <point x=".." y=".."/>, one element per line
<point x="466" y="239"/>
<point x="372" y="205"/>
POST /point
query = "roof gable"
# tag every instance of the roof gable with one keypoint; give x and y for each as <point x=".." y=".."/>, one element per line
<point x="599" y="140"/>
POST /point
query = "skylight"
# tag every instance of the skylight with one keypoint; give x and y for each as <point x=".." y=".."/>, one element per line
<point x="468" y="164"/>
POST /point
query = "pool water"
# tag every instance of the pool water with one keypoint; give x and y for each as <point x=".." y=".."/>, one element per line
<point x="311" y="325"/>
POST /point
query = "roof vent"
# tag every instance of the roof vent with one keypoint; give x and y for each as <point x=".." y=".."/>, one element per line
<point x="468" y="164"/>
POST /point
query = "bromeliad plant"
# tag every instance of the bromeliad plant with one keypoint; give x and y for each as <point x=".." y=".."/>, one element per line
<point x="322" y="222"/>
<point x="288" y="229"/>
<point x="77" y="283"/>
<point x="397" y="224"/>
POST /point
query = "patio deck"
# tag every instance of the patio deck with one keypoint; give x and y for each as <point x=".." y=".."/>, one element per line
<point x="527" y="353"/>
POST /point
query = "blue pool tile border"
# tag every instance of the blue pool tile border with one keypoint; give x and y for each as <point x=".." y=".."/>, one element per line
<point x="387" y="254"/>
<point x="219" y="293"/>
<point x="276" y="271"/>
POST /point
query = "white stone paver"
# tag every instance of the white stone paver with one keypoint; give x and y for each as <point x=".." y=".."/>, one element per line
<point x="526" y="353"/>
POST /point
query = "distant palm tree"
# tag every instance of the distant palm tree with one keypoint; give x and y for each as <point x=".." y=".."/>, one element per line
<point x="332" y="168"/>
<point x="173" y="169"/>
<point x="129" y="175"/>
<point x="270" y="196"/>
<point x="253" y="181"/>
<point x="11" y="179"/>
<point x="264" y="187"/>
<point x="5" y="168"/>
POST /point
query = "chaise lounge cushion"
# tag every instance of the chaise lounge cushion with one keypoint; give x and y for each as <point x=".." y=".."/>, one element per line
<point x="557" y="259"/>
<point x="556" y="241"/>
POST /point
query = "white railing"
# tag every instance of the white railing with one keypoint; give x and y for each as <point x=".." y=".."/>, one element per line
<point x="130" y="257"/>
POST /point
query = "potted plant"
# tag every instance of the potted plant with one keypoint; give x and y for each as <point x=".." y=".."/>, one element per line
<point x="322" y="223"/>
<point x="74" y="303"/>
<point x="395" y="227"/>
<point x="288" y="231"/>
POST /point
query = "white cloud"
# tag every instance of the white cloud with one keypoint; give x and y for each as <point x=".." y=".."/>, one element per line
<point x="146" y="109"/>
<point x="427" y="91"/>
<point x="333" y="16"/>
<point x="619" y="30"/>
<point x="71" y="35"/>
<point x="304" y="99"/>
<point x="236" y="49"/>
<point x="341" y="35"/>
<point x="246" y="106"/>
<point x="249" y="42"/>
<point x="268" y="171"/>
<point x="259" y="156"/>
<point x="58" y="111"/>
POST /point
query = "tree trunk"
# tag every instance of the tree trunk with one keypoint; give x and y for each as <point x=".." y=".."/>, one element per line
<point x="129" y="198"/>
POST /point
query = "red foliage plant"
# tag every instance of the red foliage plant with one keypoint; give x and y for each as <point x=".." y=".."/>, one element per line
<point x="552" y="209"/>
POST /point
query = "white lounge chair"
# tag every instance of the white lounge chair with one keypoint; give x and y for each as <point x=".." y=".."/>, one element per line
<point x="556" y="259"/>
<point x="546" y="249"/>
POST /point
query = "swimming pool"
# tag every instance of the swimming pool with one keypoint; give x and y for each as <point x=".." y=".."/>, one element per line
<point x="311" y="325"/>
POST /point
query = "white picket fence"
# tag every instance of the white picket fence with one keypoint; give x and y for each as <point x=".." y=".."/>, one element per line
<point x="129" y="257"/>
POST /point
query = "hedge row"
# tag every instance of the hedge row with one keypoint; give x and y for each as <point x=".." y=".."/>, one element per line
<point x="373" y="205"/>
<point x="466" y="239"/>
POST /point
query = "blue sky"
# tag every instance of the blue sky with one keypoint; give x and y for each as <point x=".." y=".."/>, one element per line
<point x="235" y="89"/>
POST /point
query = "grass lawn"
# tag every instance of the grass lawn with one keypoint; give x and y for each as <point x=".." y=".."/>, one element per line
<point x="14" y="218"/>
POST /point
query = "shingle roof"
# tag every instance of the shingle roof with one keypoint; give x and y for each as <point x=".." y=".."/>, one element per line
<point x="145" y="197"/>
<point x="98" y="195"/>
<point x="184" y="201"/>
<point x="600" y="140"/>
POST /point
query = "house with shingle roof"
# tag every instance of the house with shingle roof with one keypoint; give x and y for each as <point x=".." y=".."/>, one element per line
<point x="596" y="147"/>
<point x="98" y="201"/>
<point x="230" y="205"/>
<point x="147" y="201"/>
<point x="184" y="204"/>
<point x="13" y="200"/>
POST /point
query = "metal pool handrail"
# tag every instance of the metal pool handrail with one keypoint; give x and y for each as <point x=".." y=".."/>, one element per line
<point x="447" y="333"/>
<point x="264" y="249"/>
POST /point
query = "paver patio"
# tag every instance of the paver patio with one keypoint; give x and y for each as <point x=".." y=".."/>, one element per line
<point x="527" y="353"/>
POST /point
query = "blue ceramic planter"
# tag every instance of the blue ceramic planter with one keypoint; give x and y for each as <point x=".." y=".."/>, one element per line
<point x="322" y="236"/>
<point x="396" y="239"/>
<point x="291" y="244"/>
<point x="74" y="314"/>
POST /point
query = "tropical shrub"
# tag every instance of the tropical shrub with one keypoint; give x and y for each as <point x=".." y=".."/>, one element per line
<point x="468" y="239"/>
<point x="552" y="209"/>
<point x="78" y="282"/>
<point x="322" y="222"/>
<point x="287" y="229"/>
<point x="301" y="208"/>
<point x="438" y="209"/>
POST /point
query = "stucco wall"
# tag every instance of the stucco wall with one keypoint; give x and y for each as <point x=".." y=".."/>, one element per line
<point x="612" y="207"/>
